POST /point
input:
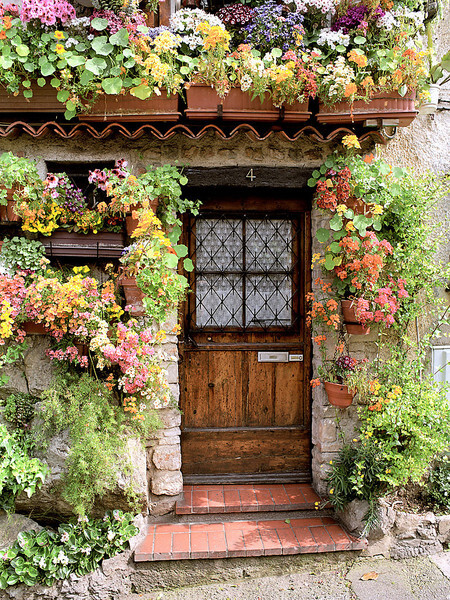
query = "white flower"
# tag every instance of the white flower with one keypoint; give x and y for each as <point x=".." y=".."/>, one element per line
<point x="111" y="535"/>
<point x="332" y="38"/>
<point x="65" y="537"/>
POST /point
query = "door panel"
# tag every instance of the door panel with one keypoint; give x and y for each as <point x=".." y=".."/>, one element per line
<point x="241" y="416"/>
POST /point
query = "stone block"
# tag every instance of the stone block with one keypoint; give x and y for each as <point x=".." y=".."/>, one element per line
<point x="170" y="417"/>
<point x="38" y="368"/>
<point x="444" y="528"/>
<point x="175" y="391"/>
<point x="353" y="515"/>
<point x="162" y="505"/>
<point x="167" y="483"/>
<point x="10" y="527"/>
<point x="172" y="373"/>
<point x="167" y="458"/>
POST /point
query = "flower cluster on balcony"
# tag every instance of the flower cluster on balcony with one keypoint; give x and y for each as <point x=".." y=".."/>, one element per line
<point x="333" y="49"/>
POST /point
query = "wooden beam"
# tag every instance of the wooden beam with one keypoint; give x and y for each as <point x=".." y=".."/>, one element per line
<point x="248" y="177"/>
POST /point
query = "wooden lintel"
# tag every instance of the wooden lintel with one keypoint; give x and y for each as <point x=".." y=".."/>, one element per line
<point x="248" y="177"/>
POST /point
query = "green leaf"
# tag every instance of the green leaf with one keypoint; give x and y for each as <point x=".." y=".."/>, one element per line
<point x="75" y="61"/>
<point x="276" y="52"/>
<point x="120" y="38"/>
<point x="174" y="234"/>
<point x="41" y="82"/>
<point x="181" y="250"/>
<point x="47" y="69"/>
<point x="28" y="94"/>
<point x="323" y="169"/>
<point x="96" y="65"/>
<point x="336" y="223"/>
<point x="141" y="91"/>
<point x="312" y="182"/>
<point x="188" y="265"/>
<point x="322" y="235"/>
<point x="112" y="85"/>
<point x="334" y="247"/>
<point x="361" y="223"/>
<point x="101" y="46"/>
<point x="316" y="174"/>
<point x="340" y="48"/>
<point x="338" y="235"/>
<point x="86" y="77"/>
<point x="22" y="50"/>
<point x="359" y="39"/>
<point x="99" y="24"/>
<point x="402" y="90"/>
<point x="26" y="83"/>
<point x="329" y="262"/>
<point x="63" y="95"/>
<point x="171" y="261"/>
<point x="55" y="82"/>
<point x="398" y="172"/>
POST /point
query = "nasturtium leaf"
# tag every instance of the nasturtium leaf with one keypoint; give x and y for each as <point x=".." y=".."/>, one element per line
<point x="277" y="52"/>
<point x="402" y="90"/>
<point x="322" y="235"/>
<point x="115" y="71"/>
<point x="28" y="94"/>
<point x="96" y="65"/>
<point x="340" y="48"/>
<point x="316" y="174"/>
<point x="398" y="172"/>
<point x="112" y="85"/>
<point x="334" y="247"/>
<point x="349" y="214"/>
<point x="174" y="234"/>
<point x="181" y="250"/>
<point x="128" y="64"/>
<point x="101" y="46"/>
<point x="47" y="69"/>
<point x="323" y="169"/>
<point x="329" y="262"/>
<point x="385" y="169"/>
<point x="359" y="39"/>
<point x="40" y="81"/>
<point x="75" y="61"/>
<point x="336" y="223"/>
<point x="22" y="50"/>
<point x="120" y="38"/>
<point x="338" y="235"/>
<point x="86" y="77"/>
<point x="26" y="83"/>
<point x="188" y="264"/>
<point x="55" y="82"/>
<point x="171" y="260"/>
<point x="312" y="182"/>
<point x="69" y="114"/>
<point x="63" y="95"/>
<point x="141" y="91"/>
<point x="99" y="24"/>
<point x="29" y="66"/>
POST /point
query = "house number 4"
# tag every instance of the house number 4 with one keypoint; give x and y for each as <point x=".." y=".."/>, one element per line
<point x="250" y="175"/>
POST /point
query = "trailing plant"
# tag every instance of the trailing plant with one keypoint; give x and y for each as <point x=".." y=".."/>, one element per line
<point x="48" y="556"/>
<point x="98" y="429"/>
<point x="18" y="174"/>
<point x="10" y="355"/>
<point x="18" y="472"/>
<point x="20" y="254"/>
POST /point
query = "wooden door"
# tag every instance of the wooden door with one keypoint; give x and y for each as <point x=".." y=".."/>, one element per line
<point x="245" y="366"/>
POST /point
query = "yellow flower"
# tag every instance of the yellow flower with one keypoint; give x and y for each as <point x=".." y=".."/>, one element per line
<point x="350" y="141"/>
<point x="332" y="491"/>
<point x="59" y="35"/>
<point x="350" y="226"/>
<point x="341" y="209"/>
<point x="377" y="209"/>
<point x="59" y="48"/>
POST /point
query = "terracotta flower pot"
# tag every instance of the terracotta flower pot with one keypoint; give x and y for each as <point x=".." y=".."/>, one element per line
<point x="7" y="212"/>
<point x="82" y="349"/>
<point x="351" y="322"/>
<point x="133" y="296"/>
<point x="338" y="395"/>
<point x="32" y="328"/>
<point x="131" y="222"/>
<point x="129" y="108"/>
<point x="381" y="106"/>
<point x="359" y="207"/>
<point x="204" y="103"/>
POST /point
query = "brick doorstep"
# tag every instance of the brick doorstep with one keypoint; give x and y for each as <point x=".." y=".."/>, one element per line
<point x="167" y="541"/>
<point x="247" y="498"/>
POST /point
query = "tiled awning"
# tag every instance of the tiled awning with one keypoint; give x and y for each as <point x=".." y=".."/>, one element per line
<point x="163" y="132"/>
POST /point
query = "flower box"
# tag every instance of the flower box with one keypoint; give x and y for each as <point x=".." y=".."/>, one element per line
<point x="32" y="328"/>
<point x="338" y="395"/>
<point x="381" y="106"/>
<point x="133" y="296"/>
<point x="98" y="245"/>
<point x="203" y="102"/>
<point x="44" y="100"/>
<point x="131" y="222"/>
<point x="352" y="325"/>
<point x="129" y="108"/>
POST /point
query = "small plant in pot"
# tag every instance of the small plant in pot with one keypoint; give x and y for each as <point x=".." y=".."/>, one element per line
<point x="340" y="378"/>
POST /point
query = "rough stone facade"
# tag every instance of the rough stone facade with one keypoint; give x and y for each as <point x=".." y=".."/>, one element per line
<point x="398" y="534"/>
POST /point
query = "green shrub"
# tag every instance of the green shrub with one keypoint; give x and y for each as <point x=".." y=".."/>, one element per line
<point x="20" y="254"/>
<point x="439" y="483"/>
<point x="98" y="429"/>
<point x="47" y="556"/>
<point x="18" y="472"/>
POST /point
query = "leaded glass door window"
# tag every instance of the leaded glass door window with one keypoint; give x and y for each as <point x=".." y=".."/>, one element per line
<point x="245" y="272"/>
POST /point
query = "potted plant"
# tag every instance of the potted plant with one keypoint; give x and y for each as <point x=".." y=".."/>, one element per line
<point x="18" y="178"/>
<point x="340" y="377"/>
<point x="437" y="78"/>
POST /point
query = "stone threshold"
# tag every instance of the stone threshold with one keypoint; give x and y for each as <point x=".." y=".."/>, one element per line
<point x="244" y="538"/>
<point x="209" y="499"/>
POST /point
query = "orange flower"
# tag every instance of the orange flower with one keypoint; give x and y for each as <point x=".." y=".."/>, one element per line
<point x="2" y="34"/>
<point x="7" y="22"/>
<point x="350" y="89"/>
<point x="314" y="383"/>
<point x="368" y="158"/>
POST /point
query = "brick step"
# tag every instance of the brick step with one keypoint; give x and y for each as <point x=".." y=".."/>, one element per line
<point x="208" y="499"/>
<point x="241" y="538"/>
